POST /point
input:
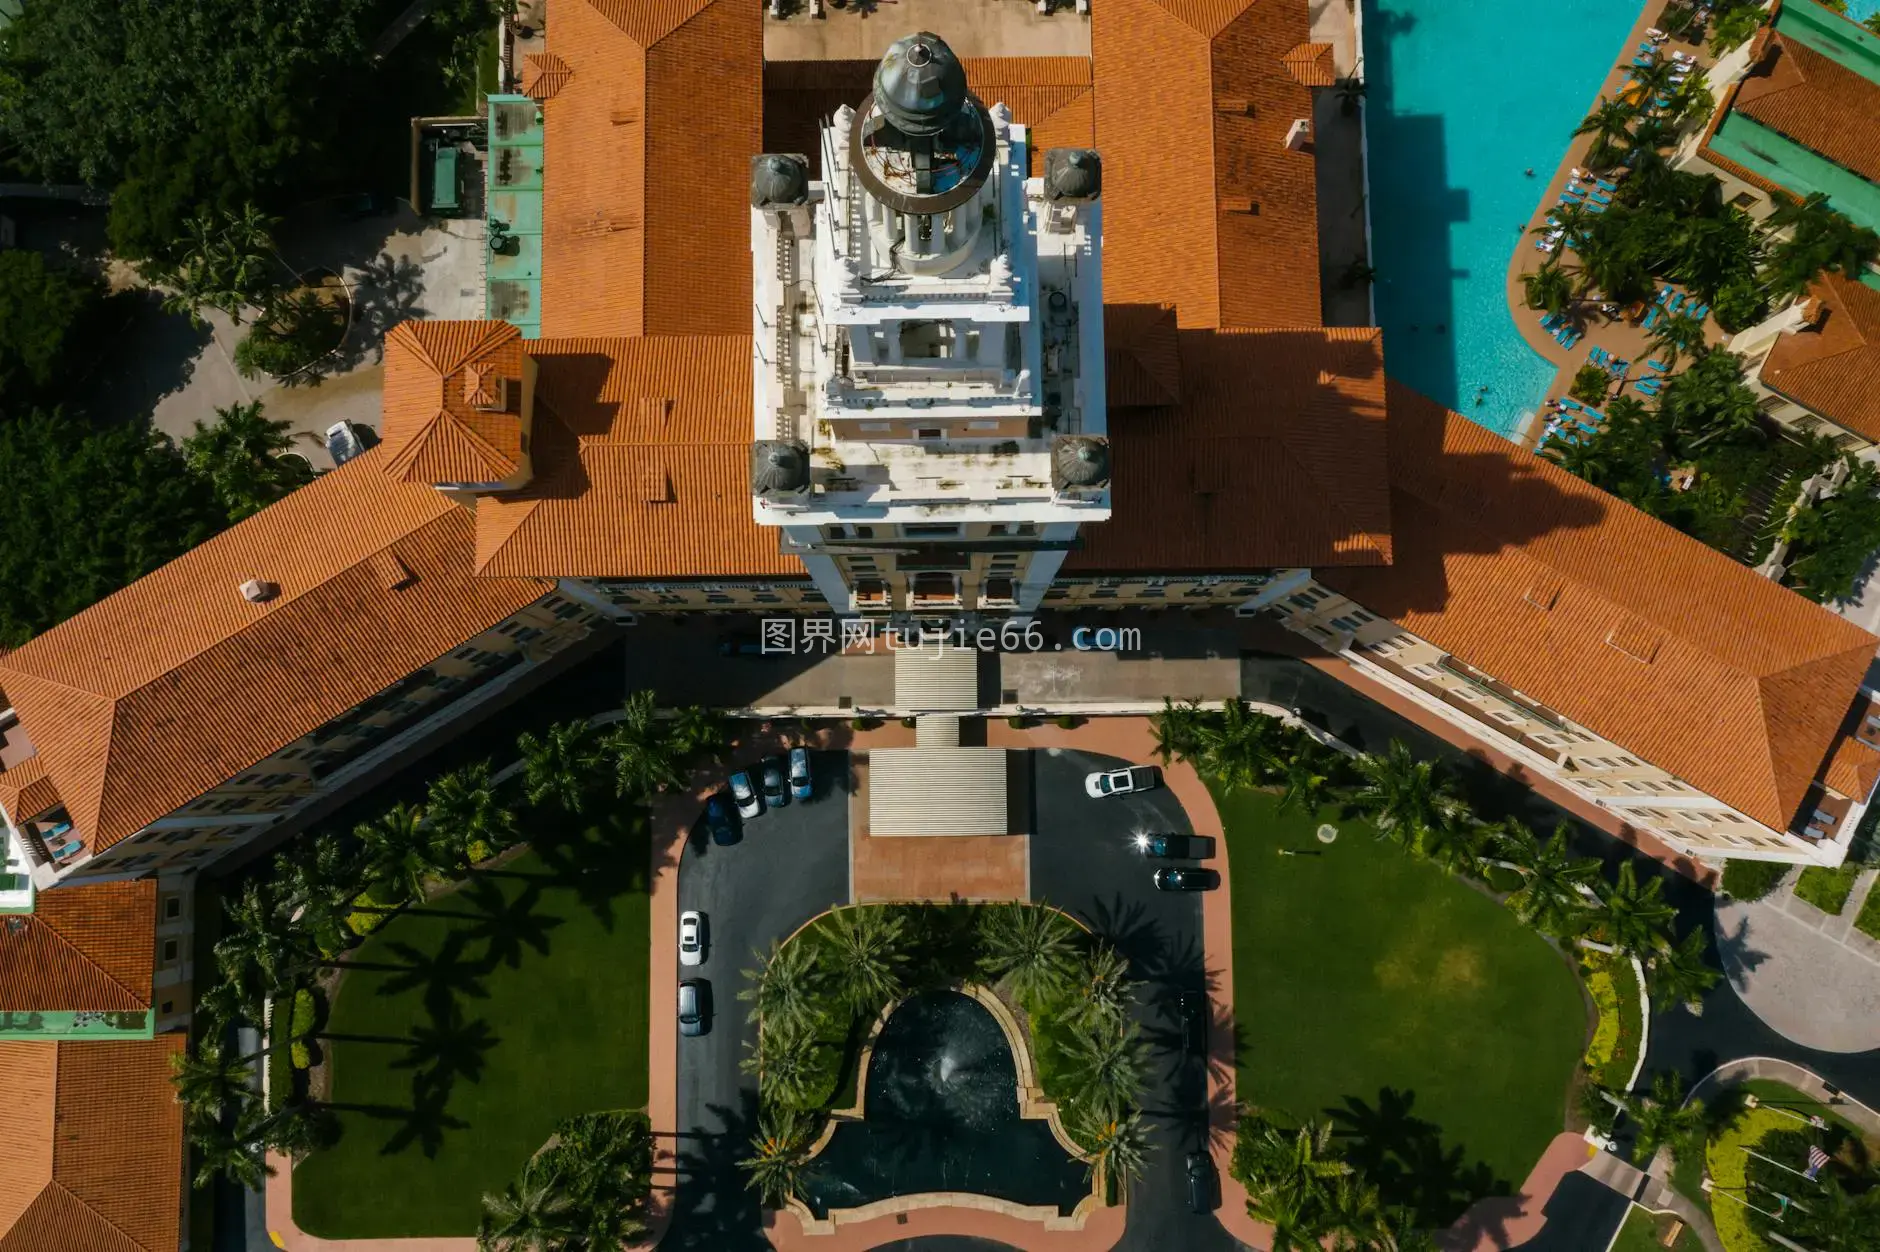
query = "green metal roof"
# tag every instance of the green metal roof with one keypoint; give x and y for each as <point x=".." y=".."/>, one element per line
<point x="1803" y="171"/>
<point x="1832" y="35"/>
<point x="512" y="288"/>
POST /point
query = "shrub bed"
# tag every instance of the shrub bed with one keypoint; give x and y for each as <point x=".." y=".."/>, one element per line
<point x="1752" y="880"/>
<point x="1868" y="922"/>
<point x="1827" y="889"/>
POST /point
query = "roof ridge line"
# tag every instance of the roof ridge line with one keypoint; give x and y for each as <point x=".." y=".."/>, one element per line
<point x="108" y="975"/>
<point x="81" y="1201"/>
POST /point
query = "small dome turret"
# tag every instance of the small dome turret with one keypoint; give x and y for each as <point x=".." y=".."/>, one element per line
<point x="779" y="180"/>
<point x="779" y="467"/>
<point x="1072" y="174"/>
<point x="1080" y="461"/>
<point x="920" y="85"/>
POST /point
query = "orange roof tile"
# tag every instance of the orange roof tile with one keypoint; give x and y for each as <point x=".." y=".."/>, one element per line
<point x="642" y="466"/>
<point x="1643" y="635"/>
<point x="1049" y="95"/>
<point x="437" y="374"/>
<point x="1204" y="206"/>
<point x="1816" y="101"/>
<point x="646" y="223"/>
<point x="1234" y="478"/>
<point x="26" y="790"/>
<point x="1142" y="360"/>
<point x="177" y="683"/>
<point x="544" y="74"/>
<point x="81" y="949"/>
<point x="91" y="1147"/>
<point x="1834" y="367"/>
<point x="1311" y="64"/>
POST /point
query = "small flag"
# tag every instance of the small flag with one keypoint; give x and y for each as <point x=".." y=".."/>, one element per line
<point x="1816" y="1159"/>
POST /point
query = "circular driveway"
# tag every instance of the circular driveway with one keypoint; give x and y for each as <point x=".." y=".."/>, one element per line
<point x="1791" y="967"/>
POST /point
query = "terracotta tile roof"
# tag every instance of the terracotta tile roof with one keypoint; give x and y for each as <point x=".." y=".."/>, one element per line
<point x="1203" y="205"/>
<point x="91" y="1147"/>
<point x="1311" y="64"/>
<point x="82" y="948"/>
<point x="1291" y="472"/>
<point x="1050" y="95"/>
<point x="1834" y="368"/>
<point x="544" y="74"/>
<point x="1562" y="591"/>
<point x="1853" y="767"/>
<point x="436" y="375"/>
<point x="642" y="466"/>
<point x="646" y="223"/>
<point x="155" y="694"/>
<point x="1142" y="360"/>
<point x="26" y="790"/>
<point x="1816" y="101"/>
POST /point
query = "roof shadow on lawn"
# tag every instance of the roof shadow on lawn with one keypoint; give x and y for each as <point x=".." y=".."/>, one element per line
<point x="1406" y="1158"/>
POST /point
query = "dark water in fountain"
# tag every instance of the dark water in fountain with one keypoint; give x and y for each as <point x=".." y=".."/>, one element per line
<point x="942" y="1115"/>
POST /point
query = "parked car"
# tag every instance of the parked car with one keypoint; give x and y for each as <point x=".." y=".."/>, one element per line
<point x="719" y="819"/>
<point x="1176" y="847"/>
<point x="740" y="645"/>
<point x="774" y="795"/>
<point x="691" y="937"/>
<point x="745" y="795"/>
<point x="346" y="440"/>
<point x="1186" y="880"/>
<point x="1200" y="1182"/>
<point x="799" y="774"/>
<point x="695" y="1007"/>
<point x="1121" y="782"/>
<point x="1192" y="1008"/>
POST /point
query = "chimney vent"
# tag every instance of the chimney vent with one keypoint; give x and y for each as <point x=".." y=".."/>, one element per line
<point x="259" y="590"/>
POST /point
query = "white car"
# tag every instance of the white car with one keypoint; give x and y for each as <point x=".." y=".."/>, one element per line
<point x="1120" y="782"/>
<point x="691" y="937"/>
<point x="745" y="796"/>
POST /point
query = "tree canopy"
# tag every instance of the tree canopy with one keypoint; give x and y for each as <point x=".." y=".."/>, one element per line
<point x="86" y="512"/>
<point x="45" y="314"/>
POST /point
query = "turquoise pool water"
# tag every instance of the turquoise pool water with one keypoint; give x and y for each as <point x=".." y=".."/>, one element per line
<point x="1861" y="10"/>
<point x="1461" y="100"/>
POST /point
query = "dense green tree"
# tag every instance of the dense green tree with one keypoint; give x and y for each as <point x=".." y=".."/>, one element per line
<point x="1815" y="238"/>
<point x="86" y="512"/>
<point x="783" y="1060"/>
<point x="785" y="987"/>
<point x="1306" y="775"/>
<point x="1102" y="988"/>
<point x="1610" y="125"/>
<point x="1177" y="730"/>
<point x="1031" y="947"/>
<point x="1241" y="747"/>
<point x="48" y="323"/>
<point x="260" y="951"/>
<point x="533" y="1214"/>
<point x="292" y="333"/>
<point x="210" y="1080"/>
<point x="1548" y="287"/>
<point x="1636" y="920"/>
<point x="1679" y="974"/>
<point x="316" y="879"/>
<point x="246" y="458"/>
<point x="1549" y="897"/>
<point x="403" y="853"/>
<point x="1677" y="335"/>
<point x="868" y="944"/>
<point x="1105" y="1065"/>
<point x="558" y="765"/>
<point x="1710" y="400"/>
<point x="642" y="751"/>
<point x="1663" y="1117"/>
<point x="606" y="1161"/>
<point x="1291" y="1176"/>
<point x="468" y="817"/>
<point x="1119" y="1145"/>
<point x="1832" y="540"/>
<point x="223" y="260"/>
<point x="1739" y="303"/>
<point x="233" y="1150"/>
<point x="1405" y="796"/>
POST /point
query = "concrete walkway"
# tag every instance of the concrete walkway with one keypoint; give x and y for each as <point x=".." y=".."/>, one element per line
<point x="1809" y="975"/>
<point x="1806" y="1081"/>
<point x="1654" y="1195"/>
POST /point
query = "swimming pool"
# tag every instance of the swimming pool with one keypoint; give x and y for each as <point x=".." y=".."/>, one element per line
<point x="1461" y="99"/>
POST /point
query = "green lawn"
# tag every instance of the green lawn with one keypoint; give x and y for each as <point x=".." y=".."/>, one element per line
<point x="1827" y="889"/>
<point x="465" y="1030"/>
<point x="1358" y="969"/>
<point x="1643" y="1232"/>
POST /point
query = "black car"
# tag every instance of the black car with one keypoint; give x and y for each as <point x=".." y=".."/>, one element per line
<point x="1192" y="1008"/>
<point x="776" y="795"/>
<point x="1200" y="1182"/>
<point x="721" y="819"/>
<point x="1186" y="880"/>
<point x="740" y="645"/>
<point x="1176" y="847"/>
<point x="695" y="1007"/>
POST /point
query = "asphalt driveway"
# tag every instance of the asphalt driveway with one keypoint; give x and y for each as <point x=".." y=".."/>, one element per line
<point x="1082" y="861"/>
<point x="791" y="864"/>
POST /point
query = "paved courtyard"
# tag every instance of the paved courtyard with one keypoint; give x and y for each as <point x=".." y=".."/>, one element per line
<point x="1808" y="975"/>
<point x="861" y="30"/>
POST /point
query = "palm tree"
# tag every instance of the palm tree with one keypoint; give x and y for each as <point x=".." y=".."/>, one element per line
<point x="1550" y="897"/>
<point x="870" y="950"/>
<point x="1404" y="796"/>
<point x="532" y="1214"/>
<point x="1103" y="988"/>
<point x="784" y="1063"/>
<point x="242" y="457"/>
<point x="783" y="990"/>
<point x="227" y="263"/>
<point x="1710" y="400"/>
<point x="316" y="880"/>
<point x="778" y="1151"/>
<point x="401" y="852"/>
<point x="557" y="765"/>
<point x="1239" y="745"/>
<point x="1350" y="93"/>
<point x="1307" y="777"/>
<point x="1676" y="335"/>
<point x="1834" y="1220"/>
<point x="1651" y="80"/>
<point x="1610" y="125"/>
<point x="1290" y="1178"/>
<point x="1678" y="973"/>
<point x="232" y="1151"/>
<point x="211" y="1080"/>
<point x="1106" y="1068"/>
<point x="1636" y="920"/>
<point x="466" y="814"/>
<point x="1663" y="1118"/>
<point x="1548" y="287"/>
<point x="1177" y="730"/>
<point x="1119" y="1146"/>
<point x="1818" y="238"/>
<point x="644" y="756"/>
<point x="1355" y="1213"/>
<point x="1030" y="946"/>
<point x="1452" y="843"/>
<point x="695" y="730"/>
<point x="261" y="951"/>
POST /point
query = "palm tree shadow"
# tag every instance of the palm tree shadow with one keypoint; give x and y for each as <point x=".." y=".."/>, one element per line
<point x="1127" y="926"/>
<point x="446" y="1049"/>
<point x="715" y="1211"/>
<point x="1405" y="1157"/>
<point x="444" y="975"/>
<point x="425" y="1122"/>
<point x="506" y="926"/>
<point x="600" y="870"/>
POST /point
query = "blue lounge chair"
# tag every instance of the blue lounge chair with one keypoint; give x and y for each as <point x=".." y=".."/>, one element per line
<point x="1598" y="206"/>
<point x="1664" y="294"/>
<point x="1675" y="304"/>
<point x="1551" y="321"/>
<point x="1567" y="402"/>
<point x="1596" y="354"/>
<point x="1651" y="318"/>
<point x="1649" y="386"/>
<point x="1701" y="312"/>
<point x="1573" y="338"/>
<point x="1605" y="186"/>
<point x="1658" y="365"/>
<point x="1599" y="197"/>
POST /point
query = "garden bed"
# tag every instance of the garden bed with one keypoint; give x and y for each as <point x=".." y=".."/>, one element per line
<point x="1827" y="889"/>
<point x="1614" y="1051"/>
<point x="1868" y="922"/>
<point x="1752" y="880"/>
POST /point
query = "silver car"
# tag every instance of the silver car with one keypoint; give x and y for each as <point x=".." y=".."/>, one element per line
<point x="744" y="795"/>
